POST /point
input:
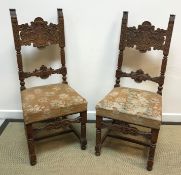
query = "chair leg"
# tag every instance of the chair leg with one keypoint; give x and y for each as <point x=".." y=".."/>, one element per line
<point x="98" y="136"/>
<point x="83" y="116"/>
<point x="31" y="146"/>
<point x="151" y="155"/>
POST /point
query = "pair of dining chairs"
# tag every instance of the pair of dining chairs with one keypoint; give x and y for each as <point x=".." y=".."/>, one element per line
<point x="128" y="108"/>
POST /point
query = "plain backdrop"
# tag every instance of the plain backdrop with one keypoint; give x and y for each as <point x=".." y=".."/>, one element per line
<point x="92" y="30"/>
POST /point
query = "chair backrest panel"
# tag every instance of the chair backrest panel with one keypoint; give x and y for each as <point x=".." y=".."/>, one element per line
<point x="40" y="34"/>
<point x="143" y="38"/>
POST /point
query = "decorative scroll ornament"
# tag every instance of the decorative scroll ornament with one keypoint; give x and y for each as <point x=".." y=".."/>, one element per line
<point x="145" y="37"/>
<point x="39" y="33"/>
<point x="60" y="124"/>
<point x="139" y="76"/>
<point x="44" y="72"/>
<point x="125" y="129"/>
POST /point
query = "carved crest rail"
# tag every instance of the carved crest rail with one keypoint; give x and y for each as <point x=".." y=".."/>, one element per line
<point x="39" y="33"/>
<point x="145" y="36"/>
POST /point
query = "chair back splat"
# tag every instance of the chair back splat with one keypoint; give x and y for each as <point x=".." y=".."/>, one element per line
<point x="143" y="39"/>
<point x="39" y="34"/>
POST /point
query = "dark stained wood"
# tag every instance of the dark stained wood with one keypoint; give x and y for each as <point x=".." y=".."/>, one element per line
<point x="17" y="43"/>
<point x="43" y="72"/>
<point x="138" y="76"/>
<point x="47" y="33"/>
<point x="121" y="46"/>
<point x="98" y="136"/>
<point x="62" y="43"/>
<point x="83" y="116"/>
<point x="166" y="52"/>
<point x="151" y="155"/>
<point x="143" y="39"/>
<point x="40" y="34"/>
<point x="31" y="144"/>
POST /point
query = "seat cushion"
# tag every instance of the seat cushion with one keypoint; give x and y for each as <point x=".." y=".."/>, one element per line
<point x="46" y="102"/>
<point x="132" y="105"/>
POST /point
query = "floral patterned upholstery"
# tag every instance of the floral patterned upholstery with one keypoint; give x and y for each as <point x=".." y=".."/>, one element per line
<point x="45" y="102"/>
<point x="132" y="105"/>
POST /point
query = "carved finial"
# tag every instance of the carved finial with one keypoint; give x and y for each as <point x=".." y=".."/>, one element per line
<point x="60" y="12"/>
<point x="13" y="13"/>
<point x="125" y="13"/>
<point x="172" y="18"/>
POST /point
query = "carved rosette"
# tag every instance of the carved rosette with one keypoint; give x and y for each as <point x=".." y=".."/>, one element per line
<point x="39" y="33"/>
<point x="145" y="37"/>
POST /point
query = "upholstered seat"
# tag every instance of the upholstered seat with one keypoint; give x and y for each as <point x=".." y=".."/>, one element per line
<point x="45" y="102"/>
<point x="132" y="105"/>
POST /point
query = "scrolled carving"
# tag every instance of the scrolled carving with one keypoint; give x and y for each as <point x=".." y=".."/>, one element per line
<point x="139" y="76"/>
<point x="145" y="37"/>
<point x="39" y="33"/>
<point x="43" y="72"/>
<point x="60" y="124"/>
<point x="125" y="129"/>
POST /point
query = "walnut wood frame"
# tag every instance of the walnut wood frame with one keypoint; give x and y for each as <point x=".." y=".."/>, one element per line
<point x="42" y="34"/>
<point x="143" y="39"/>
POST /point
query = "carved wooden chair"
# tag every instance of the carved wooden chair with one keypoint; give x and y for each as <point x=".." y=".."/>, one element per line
<point x="50" y="104"/>
<point x="129" y="107"/>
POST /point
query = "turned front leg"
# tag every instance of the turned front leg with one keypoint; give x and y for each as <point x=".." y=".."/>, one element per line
<point x="98" y="136"/>
<point x="31" y="145"/>
<point x="83" y="116"/>
<point x="154" y="137"/>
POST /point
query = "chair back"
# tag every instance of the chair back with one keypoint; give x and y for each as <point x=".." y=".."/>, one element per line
<point x="143" y="38"/>
<point x="39" y="34"/>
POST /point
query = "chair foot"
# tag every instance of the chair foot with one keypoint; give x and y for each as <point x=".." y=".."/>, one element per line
<point x="98" y="150"/>
<point x="83" y="147"/>
<point x="33" y="160"/>
<point x="97" y="154"/>
<point x="83" y="144"/>
<point x="149" y="166"/>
